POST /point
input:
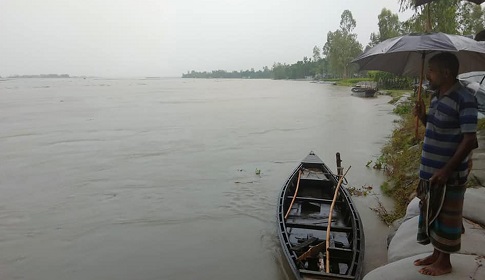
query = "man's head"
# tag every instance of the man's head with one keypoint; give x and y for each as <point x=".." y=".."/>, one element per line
<point x="480" y="36"/>
<point x="442" y="70"/>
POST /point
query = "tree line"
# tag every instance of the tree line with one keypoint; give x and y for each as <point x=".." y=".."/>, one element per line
<point x="341" y="47"/>
<point x="41" y="76"/>
<point x="266" y="73"/>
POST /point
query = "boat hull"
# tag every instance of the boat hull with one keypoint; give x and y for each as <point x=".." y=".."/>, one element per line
<point x="302" y="230"/>
<point x="364" y="92"/>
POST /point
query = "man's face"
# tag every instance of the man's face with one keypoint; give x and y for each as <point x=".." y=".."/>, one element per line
<point x="435" y="76"/>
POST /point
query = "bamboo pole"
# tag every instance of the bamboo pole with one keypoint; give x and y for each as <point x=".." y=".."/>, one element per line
<point x="327" y="240"/>
<point x="294" y="196"/>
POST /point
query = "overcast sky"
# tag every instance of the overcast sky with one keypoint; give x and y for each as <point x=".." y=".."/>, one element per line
<point x="137" y="38"/>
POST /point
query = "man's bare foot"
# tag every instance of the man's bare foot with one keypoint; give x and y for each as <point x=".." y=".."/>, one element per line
<point x="428" y="260"/>
<point x="435" y="269"/>
<point x="441" y="266"/>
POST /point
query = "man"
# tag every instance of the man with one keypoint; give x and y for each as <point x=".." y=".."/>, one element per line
<point x="450" y="136"/>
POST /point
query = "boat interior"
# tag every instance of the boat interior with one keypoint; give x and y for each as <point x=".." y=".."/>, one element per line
<point x="306" y="223"/>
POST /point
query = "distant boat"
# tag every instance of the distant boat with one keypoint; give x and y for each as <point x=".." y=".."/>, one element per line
<point x="324" y="82"/>
<point x="364" y="90"/>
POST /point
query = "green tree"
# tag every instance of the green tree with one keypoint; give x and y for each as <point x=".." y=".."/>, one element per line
<point x="316" y="54"/>
<point x="470" y="18"/>
<point x="347" y="22"/>
<point x="441" y="16"/>
<point x="342" y="46"/>
<point x="389" y="27"/>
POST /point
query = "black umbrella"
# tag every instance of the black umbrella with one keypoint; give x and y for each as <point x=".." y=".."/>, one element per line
<point x="408" y="54"/>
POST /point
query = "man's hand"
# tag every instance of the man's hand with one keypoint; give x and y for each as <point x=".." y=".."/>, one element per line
<point x="440" y="177"/>
<point x="420" y="110"/>
<point x="466" y="145"/>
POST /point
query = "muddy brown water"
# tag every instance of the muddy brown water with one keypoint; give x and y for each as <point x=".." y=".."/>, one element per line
<point x="156" y="179"/>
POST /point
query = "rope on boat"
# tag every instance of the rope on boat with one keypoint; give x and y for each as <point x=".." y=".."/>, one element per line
<point x="327" y="240"/>
<point x="294" y="196"/>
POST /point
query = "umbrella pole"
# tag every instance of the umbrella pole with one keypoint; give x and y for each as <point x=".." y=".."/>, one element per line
<point x="419" y="93"/>
<point x="427" y="27"/>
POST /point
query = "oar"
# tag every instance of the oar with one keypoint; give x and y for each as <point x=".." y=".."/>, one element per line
<point x="294" y="196"/>
<point x="327" y="240"/>
<point x="313" y="250"/>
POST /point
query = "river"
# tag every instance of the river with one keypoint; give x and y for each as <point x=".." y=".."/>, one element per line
<point x="155" y="178"/>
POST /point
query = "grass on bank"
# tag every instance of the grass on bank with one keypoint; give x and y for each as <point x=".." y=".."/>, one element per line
<point x="401" y="157"/>
<point x="481" y="124"/>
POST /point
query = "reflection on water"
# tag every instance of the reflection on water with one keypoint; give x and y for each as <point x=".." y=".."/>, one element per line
<point x="155" y="179"/>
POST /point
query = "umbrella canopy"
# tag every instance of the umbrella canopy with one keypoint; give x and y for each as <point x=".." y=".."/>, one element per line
<point x="406" y="55"/>
<point x="421" y="2"/>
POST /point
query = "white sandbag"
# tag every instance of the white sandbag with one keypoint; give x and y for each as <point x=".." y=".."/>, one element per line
<point x="464" y="267"/>
<point x="474" y="205"/>
<point x="404" y="243"/>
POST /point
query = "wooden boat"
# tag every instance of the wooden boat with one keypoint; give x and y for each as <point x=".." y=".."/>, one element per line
<point x="304" y="206"/>
<point x="364" y="92"/>
<point x="364" y="89"/>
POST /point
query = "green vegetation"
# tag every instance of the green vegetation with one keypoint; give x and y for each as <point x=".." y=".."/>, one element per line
<point x="389" y="27"/>
<point x="481" y="124"/>
<point x="300" y="70"/>
<point x="342" y="46"/>
<point x="401" y="156"/>
<point x="396" y="94"/>
<point x="349" y="82"/>
<point x="219" y="74"/>
<point x="41" y="76"/>
<point x="388" y="80"/>
<point x="403" y="108"/>
<point x="448" y="16"/>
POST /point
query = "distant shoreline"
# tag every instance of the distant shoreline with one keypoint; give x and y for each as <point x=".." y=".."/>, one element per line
<point x="40" y="76"/>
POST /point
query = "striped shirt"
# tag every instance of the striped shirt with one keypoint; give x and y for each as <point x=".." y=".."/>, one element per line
<point x="448" y="118"/>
